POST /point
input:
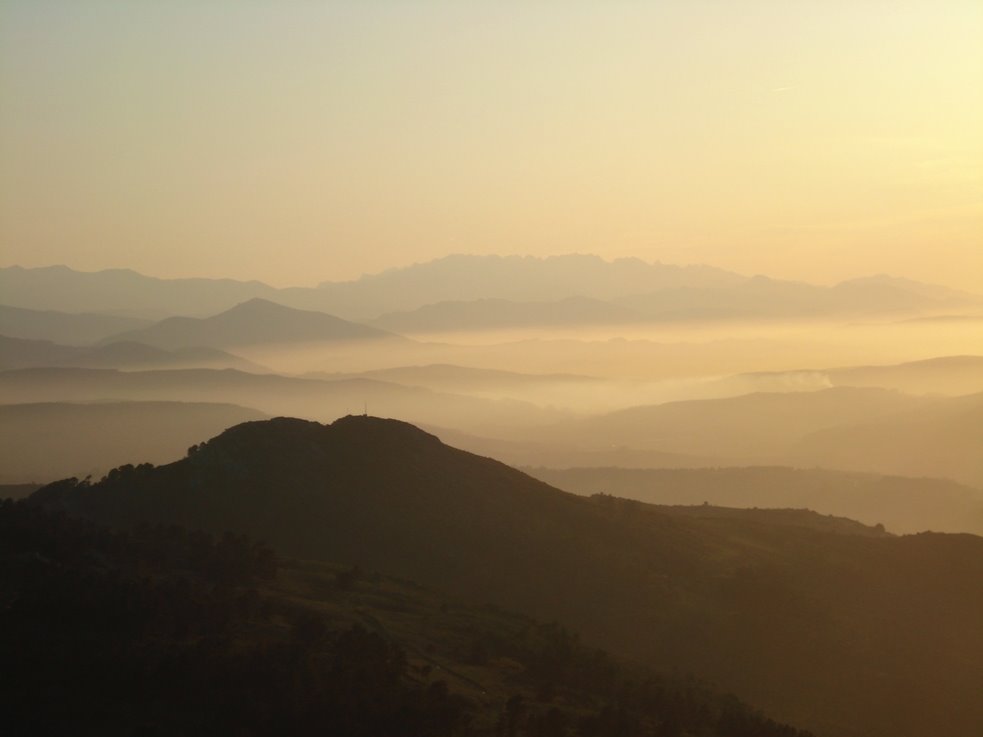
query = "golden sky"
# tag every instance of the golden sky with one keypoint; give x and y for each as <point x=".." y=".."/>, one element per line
<point x="302" y="141"/>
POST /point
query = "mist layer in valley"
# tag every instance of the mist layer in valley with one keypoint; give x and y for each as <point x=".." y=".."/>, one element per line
<point x="550" y="363"/>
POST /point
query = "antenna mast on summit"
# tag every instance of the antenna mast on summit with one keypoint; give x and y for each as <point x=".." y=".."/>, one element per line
<point x="365" y="409"/>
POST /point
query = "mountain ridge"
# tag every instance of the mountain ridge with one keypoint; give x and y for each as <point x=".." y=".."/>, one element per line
<point x="456" y="277"/>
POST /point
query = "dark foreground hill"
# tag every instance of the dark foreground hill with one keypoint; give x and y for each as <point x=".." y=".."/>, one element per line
<point x="165" y="632"/>
<point x="846" y="634"/>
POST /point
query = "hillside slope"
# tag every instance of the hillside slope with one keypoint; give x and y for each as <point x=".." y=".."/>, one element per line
<point x="843" y="633"/>
<point x="902" y="505"/>
<point x="219" y="636"/>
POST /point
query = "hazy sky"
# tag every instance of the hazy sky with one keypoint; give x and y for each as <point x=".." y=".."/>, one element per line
<point x="300" y="141"/>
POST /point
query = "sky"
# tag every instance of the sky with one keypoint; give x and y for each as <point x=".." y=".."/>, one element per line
<point x="302" y="141"/>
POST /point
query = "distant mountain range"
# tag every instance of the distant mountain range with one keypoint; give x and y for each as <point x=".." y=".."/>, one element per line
<point x="653" y="290"/>
<point x="822" y="622"/>
<point x="123" y="292"/>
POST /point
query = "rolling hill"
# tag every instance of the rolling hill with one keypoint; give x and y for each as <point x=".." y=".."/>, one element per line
<point x="942" y="440"/>
<point x="222" y="636"/>
<point x="122" y="291"/>
<point x="271" y="394"/>
<point x="753" y="426"/>
<point x="62" y="327"/>
<point x="253" y="322"/>
<point x="848" y="634"/>
<point x="902" y="505"/>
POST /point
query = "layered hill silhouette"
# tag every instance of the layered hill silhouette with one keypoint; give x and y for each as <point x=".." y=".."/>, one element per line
<point x="269" y="393"/>
<point x="62" y="327"/>
<point x="901" y="504"/>
<point x="51" y="440"/>
<point x="943" y="375"/>
<point x="849" y="634"/>
<point x="542" y="389"/>
<point x="256" y="321"/>
<point x="941" y="440"/>
<point x="122" y="291"/>
<point x="17" y="353"/>
<point x="753" y="425"/>
<point x="847" y="428"/>
<point x="659" y="291"/>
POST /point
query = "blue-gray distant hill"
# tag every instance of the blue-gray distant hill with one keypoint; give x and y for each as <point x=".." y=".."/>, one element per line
<point x="16" y="354"/>
<point x="255" y="322"/>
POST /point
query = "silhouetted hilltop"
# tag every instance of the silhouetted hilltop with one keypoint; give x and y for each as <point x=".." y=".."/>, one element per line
<point x="801" y="621"/>
<point x="252" y="322"/>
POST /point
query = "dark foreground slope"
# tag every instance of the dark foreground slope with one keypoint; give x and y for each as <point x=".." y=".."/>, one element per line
<point x="164" y="632"/>
<point x="846" y="634"/>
